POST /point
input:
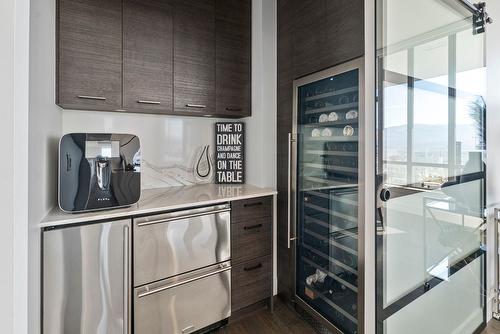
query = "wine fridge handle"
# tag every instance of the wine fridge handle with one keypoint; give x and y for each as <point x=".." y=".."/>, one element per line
<point x="289" y="200"/>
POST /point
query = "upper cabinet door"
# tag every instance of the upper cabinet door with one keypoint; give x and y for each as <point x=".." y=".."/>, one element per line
<point x="89" y="57"/>
<point x="148" y="56"/>
<point x="233" y="54"/>
<point x="194" y="57"/>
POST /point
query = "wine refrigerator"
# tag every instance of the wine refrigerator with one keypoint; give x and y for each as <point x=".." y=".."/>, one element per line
<point x="325" y="197"/>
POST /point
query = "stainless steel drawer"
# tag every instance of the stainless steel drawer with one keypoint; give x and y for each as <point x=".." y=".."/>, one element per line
<point x="174" y="243"/>
<point x="184" y="304"/>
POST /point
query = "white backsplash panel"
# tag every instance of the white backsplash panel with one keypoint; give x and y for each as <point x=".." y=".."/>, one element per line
<point x="172" y="147"/>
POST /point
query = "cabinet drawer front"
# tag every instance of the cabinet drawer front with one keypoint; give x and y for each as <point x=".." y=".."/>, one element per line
<point x="184" y="308"/>
<point x="252" y="282"/>
<point x="168" y="246"/>
<point x="89" y="58"/>
<point x="251" y="239"/>
<point x="251" y="209"/>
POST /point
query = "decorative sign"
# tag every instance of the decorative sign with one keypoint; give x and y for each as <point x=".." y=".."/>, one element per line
<point x="229" y="152"/>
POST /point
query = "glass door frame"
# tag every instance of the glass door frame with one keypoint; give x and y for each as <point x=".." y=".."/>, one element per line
<point x="450" y="32"/>
<point x="356" y="64"/>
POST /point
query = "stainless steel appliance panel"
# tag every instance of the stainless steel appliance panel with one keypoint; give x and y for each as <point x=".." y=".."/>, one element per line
<point x="184" y="304"/>
<point x="86" y="279"/>
<point x="174" y="243"/>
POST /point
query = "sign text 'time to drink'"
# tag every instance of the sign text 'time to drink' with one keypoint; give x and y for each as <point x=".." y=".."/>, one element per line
<point x="230" y="152"/>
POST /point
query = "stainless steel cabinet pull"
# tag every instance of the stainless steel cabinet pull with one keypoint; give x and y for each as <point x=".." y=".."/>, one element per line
<point x="173" y="285"/>
<point x="148" y="102"/>
<point x="199" y="106"/>
<point x="253" y="268"/>
<point x="126" y="273"/>
<point x="181" y="217"/>
<point x="289" y="202"/>
<point x="86" y="97"/>
<point x="252" y="227"/>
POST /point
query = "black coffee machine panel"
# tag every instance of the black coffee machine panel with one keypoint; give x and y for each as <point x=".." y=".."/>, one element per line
<point x="98" y="171"/>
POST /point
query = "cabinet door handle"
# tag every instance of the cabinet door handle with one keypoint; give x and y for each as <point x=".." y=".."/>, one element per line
<point x="198" y="106"/>
<point x="87" y="97"/>
<point x="148" y="102"/>
<point x="234" y="109"/>
<point x="247" y="205"/>
<point x="252" y="227"/>
<point x="253" y="268"/>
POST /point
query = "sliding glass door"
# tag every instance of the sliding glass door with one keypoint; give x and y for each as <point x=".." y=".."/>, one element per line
<point x="430" y="170"/>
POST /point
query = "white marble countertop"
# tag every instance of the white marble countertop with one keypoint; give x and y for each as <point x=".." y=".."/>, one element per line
<point x="165" y="199"/>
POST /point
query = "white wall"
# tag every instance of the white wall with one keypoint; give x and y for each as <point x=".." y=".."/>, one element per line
<point x="45" y="121"/>
<point x="492" y="133"/>
<point x="14" y="34"/>
<point x="261" y="127"/>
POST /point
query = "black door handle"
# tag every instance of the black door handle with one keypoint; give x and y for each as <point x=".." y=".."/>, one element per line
<point x="385" y="194"/>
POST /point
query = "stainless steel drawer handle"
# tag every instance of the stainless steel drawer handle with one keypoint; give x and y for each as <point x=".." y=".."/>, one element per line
<point x="199" y="106"/>
<point x="148" y="102"/>
<point x="173" y="285"/>
<point x="253" y="268"/>
<point x="247" y="205"/>
<point x="253" y="227"/>
<point x="182" y="217"/>
<point x="87" y="97"/>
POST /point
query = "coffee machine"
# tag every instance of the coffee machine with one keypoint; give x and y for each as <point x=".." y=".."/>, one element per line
<point x="98" y="171"/>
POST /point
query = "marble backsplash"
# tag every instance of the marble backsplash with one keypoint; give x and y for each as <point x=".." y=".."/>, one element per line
<point x="170" y="146"/>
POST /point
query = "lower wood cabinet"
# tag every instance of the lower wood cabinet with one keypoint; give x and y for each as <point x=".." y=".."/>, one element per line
<point x="251" y="251"/>
<point x="251" y="282"/>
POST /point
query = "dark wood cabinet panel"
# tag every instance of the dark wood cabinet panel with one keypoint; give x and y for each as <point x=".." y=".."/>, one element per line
<point x="285" y="108"/>
<point x="344" y="30"/>
<point x="194" y="57"/>
<point x="251" y="209"/>
<point x="309" y="21"/>
<point x="148" y="56"/>
<point x="233" y="53"/>
<point x="251" y="239"/>
<point x="251" y="282"/>
<point x="89" y="54"/>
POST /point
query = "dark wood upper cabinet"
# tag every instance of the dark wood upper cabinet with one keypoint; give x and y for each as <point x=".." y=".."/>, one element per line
<point x="344" y="31"/>
<point x="233" y="57"/>
<point x="148" y="56"/>
<point x="326" y="33"/>
<point x="194" y="57"/>
<point x="308" y="35"/>
<point x="180" y="57"/>
<point x="89" y="54"/>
